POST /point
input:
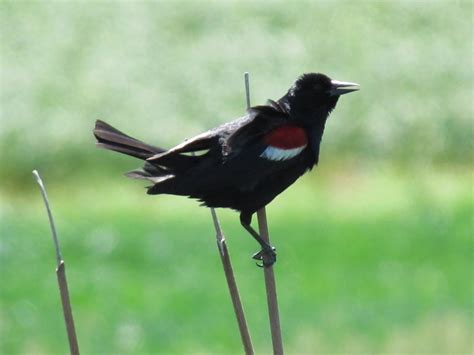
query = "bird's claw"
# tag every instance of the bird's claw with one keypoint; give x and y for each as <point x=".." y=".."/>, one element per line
<point x="266" y="255"/>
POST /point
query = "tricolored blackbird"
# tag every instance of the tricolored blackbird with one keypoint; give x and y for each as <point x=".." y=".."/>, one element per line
<point x="243" y="164"/>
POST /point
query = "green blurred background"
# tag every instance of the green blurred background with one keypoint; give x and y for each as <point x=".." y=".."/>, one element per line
<point x="375" y="245"/>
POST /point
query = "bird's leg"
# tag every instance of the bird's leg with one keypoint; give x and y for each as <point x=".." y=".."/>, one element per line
<point x="267" y="254"/>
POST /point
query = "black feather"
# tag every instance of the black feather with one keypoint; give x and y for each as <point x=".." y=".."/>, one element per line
<point x="111" y="138"/>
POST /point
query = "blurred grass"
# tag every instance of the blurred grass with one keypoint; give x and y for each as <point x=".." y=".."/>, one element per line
<point x="356" y="273"/>
<point x="168" y="70"/>
<point x="375" y="245"/>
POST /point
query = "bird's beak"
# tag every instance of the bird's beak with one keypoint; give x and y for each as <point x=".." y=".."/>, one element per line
<point x="342" y="87"/>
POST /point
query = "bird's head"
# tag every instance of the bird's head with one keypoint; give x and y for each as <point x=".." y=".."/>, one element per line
<point x="313" y="96"/>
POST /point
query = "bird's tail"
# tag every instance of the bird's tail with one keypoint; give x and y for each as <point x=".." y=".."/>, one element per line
<point x="111" y="138"/>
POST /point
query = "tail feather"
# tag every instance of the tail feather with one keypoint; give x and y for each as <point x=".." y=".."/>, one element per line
<point x="150" y="172"/>
<point x="111" y="138"/>
<point x="158" y="175"/>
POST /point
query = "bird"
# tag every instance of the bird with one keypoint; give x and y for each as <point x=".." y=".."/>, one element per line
<point x="243" y="164"/>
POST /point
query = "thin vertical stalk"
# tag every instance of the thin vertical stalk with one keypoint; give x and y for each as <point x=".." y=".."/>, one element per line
<point x="232" y="284"/>
<point x="270" y="285"/>
<point x="60" y="274"/>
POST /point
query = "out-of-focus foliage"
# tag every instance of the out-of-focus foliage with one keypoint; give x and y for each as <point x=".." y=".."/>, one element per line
<point x="168" y="70"/>
<point x="375" y="261"/>
<point x="375" y="245"/>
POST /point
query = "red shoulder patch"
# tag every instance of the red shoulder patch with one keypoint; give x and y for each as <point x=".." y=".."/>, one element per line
<point x="287" y="137"/>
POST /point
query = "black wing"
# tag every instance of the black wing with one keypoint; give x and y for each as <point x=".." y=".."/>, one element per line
<point x="249" y="137"/>
<point x="225" y="141"/>
<point x="229" y="151"/>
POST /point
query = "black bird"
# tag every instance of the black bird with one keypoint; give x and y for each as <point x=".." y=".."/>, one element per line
<point x="243" y="164"/>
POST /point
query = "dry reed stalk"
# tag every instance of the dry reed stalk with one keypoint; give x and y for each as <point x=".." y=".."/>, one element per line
<point x="60" y="274"/>
<point x="232" y="284"/>
<point x="270" y="286"/>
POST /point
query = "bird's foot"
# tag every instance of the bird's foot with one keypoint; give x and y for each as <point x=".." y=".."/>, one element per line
<point x="267" y="255"/>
